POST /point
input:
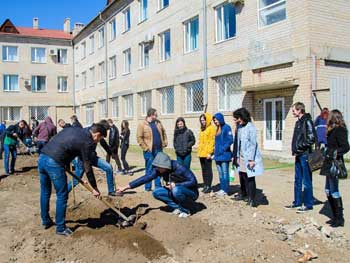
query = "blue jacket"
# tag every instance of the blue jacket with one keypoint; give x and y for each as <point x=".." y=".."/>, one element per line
<point x="223" y="141"/>
<point x="2" y="128"/>
<point x="321" y="130"/>
<point x="178" y="174"/>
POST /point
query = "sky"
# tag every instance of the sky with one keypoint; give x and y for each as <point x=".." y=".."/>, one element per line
<point x="51" y="13"/>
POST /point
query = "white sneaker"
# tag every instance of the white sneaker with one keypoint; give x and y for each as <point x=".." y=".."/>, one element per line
<point x="184" y="215"/>
<point x="176" y="212"/>
<point x="221" y="193"/>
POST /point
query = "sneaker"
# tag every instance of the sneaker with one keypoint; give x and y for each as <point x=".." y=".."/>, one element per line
<point x="221" y="193"/>
<point x="206" y="189"/>
<point x="114" y="194"/>
<point x="48" y="225"/>
<point x="66" y="232"/>
<point x="304" y="209"/>
<point x="240" y="197"/>
<point x="176" y="211"/>
<point x="292" y="206"/>
<point x="119" y="172"/>
<point x="184" y="215"/>
<point x="11" y="172"/>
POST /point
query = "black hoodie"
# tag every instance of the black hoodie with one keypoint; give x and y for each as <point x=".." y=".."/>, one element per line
<point x="304" y="135"/>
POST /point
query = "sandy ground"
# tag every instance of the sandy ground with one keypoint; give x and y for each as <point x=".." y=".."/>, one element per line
<point x="220" y="230"/>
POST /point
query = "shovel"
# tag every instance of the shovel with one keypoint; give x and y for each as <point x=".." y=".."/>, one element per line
<point x="128" y="221"/>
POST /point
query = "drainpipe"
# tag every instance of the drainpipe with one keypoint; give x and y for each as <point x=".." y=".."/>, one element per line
<point x="313" y="84"/>
<point x="74" y="83"/>
<point x="205" y="56"/>
<point x="106" y="64"/>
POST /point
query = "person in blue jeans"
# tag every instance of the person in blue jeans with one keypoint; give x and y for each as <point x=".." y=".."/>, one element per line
<point x="152" y="139"/>
<point x="222" y="152"/>
<point x="304" y="136"/>
<point x="55" y="156"/>
<point x="180" y="190"/>
<point x="2" y="137"/>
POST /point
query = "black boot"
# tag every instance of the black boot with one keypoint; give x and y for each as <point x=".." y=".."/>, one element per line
<point x="251" y="192"/>
<point x="339" y="218"/>
<point x="332" y="206"/>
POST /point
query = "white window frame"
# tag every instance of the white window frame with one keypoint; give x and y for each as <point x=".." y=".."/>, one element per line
<point x="161" y="5"/>
<point x="187" y="37"/>
<point x="35" y="50"/>
<point x="62" y="56"/>
<point x="34" y="83"/>
<point x="164" y="100"/>
<point x="127" y="19"/>
<point x="146" y="102"/>
<point x="92" y="76"/>
<point x="36" y="110"/>
<point x="162" y="52"/>
<point x="127" y="61"/>
<point x="144" y="63"/>
<point x="103" y="108"/>
<point x="239" y="92"/>
<point x="221" y="7"/>
<point x="92" y="44"/>
<point x="129" y="102"/>
<point x="273" y="144"/>
<point x="77" y="82"/>
<point x="267" y="7"/>
<point x="115" y="107"/>
<point x="190" y="109"/>
<point x="102" y="71"/>
<point x="61" y="82"/>
<point x="84" y="79"/>
<point x="113" y="67"/>
<point x="6" y="113"/>
<point x="101" y="37"/>
<point x="7" y="78"/>
<point x="83" y="50"/>
<point x="89" y="114"/>
<point x="5" y="50"/>
<point x="143" y="13"/>
<point x="112" y="29"/>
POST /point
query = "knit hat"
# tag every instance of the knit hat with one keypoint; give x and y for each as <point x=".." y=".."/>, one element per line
<point x="162" y="160"/>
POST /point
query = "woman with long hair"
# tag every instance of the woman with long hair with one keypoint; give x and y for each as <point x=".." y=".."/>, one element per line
<point x="124" y="145"/>
<point x="183" y="142"/>
<point x="222" y="152"/>
<point x="206" y="150"/>
<point x="337" y="146"/>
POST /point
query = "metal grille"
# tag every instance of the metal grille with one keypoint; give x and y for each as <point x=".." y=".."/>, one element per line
<point x="90" y="114"/>
<point x="129" y="105"/>
<point x="39" y="112"/>
<point x="167" y="100"/>
<point x="115" y="107"/>
<point x="103" y="109"/>
<point x="11" y="113"/>
<point x="77" y="111"/>
<point x="230" y="94"/>
<point x="194" y="96"/>
<point x="146" y="102"/>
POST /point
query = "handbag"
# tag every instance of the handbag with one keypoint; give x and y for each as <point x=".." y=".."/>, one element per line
<point x="315" y="159"/>
<point x="338" y="169"/>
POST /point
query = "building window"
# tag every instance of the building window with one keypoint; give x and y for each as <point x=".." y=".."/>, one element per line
<point x="191" y="31"/>
<point x="163" y="4"/>
<point x="62" y="84"/>
<point x="101" y="37"/>
<point x="273" y="123"/>
<point x="112" y="29"/>
<point x="84" y="79"/>
<point x="144" y="55"/>
<point x="225" y="22"/>
<point x="127" y="20"/>
<point x="83" y="50"/>
<point x="127" y="61"/>
<point x="76" y="55"/>
<point x="194" y="96"/>
<point x="146" y="102"/>
<point x="129" y="105"/>
<point x="271" y="11"/>
<point x="103" y="108"/>
<point x="143" y="10"/>
<point x="92" y="76"/>
<point x="102" y="71"/>
<point x="38" y="55"/>
<point x="230" y="95"/>
<point x="62" y="57"/>
<point x="90" y="114"/>
<point x="165" y="50"/>
<point x="167" y="100"/>
<point x="10" y="83"/>
<point x="92" y="44"/>
<point x="38" y="83"/>
<point x="115" y="107"/>
<point x="9" y="53"/>
<point x="112" y="67"/>
<point x="11" y="113"/>
<point x="39" y="112"/>
<point x="77" y="82"/>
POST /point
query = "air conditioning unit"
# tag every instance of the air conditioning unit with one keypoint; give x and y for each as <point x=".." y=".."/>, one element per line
<point x="53" y="52"/>
<point x="27" y="84"/>
<point x="235" y="2"/>
<point x="149" y="38"/>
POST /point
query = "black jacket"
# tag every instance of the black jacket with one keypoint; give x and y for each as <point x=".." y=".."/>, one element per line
<point x="15" y="129"/>
<point x="337" y="140"/>
<point x="113" y="137"/>
<point x="77" y="124"/>
<point x="124" y="137"/>
<point x="304" y="135"/>
<point x="183" y="141"/>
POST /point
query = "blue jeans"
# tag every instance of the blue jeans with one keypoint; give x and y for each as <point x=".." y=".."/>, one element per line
<point x="40" y="145"/>
<point x="303" y="177"/>
<point x="184" y="160"/>
<point x="177" y="198"/>
<point x="149" y="157"/>
<point x="10" y="149"/>
<point x="332" y="186"/>
<point x="224" y="175"/>
<point x="100" y="163"/>
<point x="52" y="172"/>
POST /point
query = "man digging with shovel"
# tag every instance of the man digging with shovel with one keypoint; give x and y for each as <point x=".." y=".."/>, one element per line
<point x="56" y="156"/>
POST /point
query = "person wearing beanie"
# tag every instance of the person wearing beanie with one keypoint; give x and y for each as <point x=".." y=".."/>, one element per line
<point x="180" y="189"/>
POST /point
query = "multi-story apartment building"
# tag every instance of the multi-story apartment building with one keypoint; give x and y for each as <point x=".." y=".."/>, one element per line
<point x="177" y="56"/>
<point x="35" y="72"/>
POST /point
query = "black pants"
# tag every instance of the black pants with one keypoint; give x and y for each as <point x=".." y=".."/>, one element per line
<point x="123" y="156"/>
<point x="242" y="182"/>
<point x="2" y="138"/>
<point x="207" y="171"/>
<point x="115" y="156"/>
<point x="250" y="185"/>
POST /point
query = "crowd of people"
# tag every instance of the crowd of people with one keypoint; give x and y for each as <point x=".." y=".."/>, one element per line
<point x="230" y="146"/>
